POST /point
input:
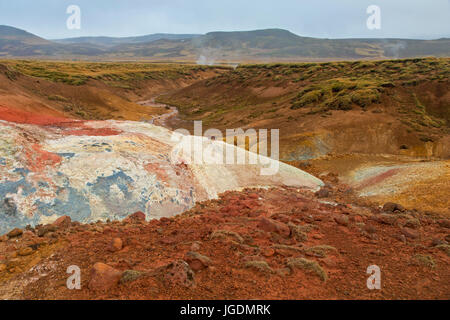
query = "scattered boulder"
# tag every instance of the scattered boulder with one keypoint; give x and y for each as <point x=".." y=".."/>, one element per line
<point x="267" y="252"/>
<point x="43" y="230"/>
<point x="386" y="219"/>
<point x="392" y="207"/>
<point x="25" y="251"/>
<point x="178" y="273"/>
<point x="341" y="220"/>
<point x="436" y="242"/>
<point x="412" y="223"/>
<point x="137" y="216"/>
<point x="410" y="233"/>
<point x="323" y="193"/>
<point x="270" y="225"/>
<point x="369" y="229"/>
<point x="104" y="277"/>
<point x="15" y="233"/>
<point x="63" y="222"/>
<point x="197" y="261"/>
<point x="115" y="245"/>
<point x="444" y="223"/>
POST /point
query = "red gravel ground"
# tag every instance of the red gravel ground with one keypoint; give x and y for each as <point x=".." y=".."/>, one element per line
<point x="243" y="244"/>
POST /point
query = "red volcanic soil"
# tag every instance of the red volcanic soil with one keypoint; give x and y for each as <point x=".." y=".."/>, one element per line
<point x="73" y="127"/>
<point x="19" y="116"/>
<point x="255" y="244"/>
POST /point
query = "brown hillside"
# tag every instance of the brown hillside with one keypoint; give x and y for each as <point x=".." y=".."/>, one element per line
<point x="399" y="107"/>
<point x="91" y="90"/>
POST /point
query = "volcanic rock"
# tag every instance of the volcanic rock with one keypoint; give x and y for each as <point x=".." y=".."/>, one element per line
<point x="15" y="233"/>
<point x="393" y="207"/>
<point x="410" y="233"/>
<point x="104" y="277"/>
<point x="63" y="222"/>
<point x="137" y="216"/>
<point x="270" y="225"/>
<point x="43" y="230"/>
<point x="178" y="273"/>
<point x="115" y="245"/>
<point x="197" y="261"/>
<point x="445" y="223"/>
<point x="341" y="220"/>
<point x="25" y="251"/>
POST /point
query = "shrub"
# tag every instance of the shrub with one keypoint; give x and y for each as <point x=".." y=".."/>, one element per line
<point x="424" y="260"/>
<point x="309" y="97"/>
<point x="307" y="265"/>
<point x="261" y="266"/>
<point x="365" y="97"/>
<point x="321" y="251"/>
<point x="340" y="103"/>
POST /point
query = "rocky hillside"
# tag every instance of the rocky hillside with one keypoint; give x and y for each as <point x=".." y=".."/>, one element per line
<point x="261" y="45"/>
<point x="282" y="243"/>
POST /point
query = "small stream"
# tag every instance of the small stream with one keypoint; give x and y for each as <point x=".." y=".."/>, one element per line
<point x="161" y="120"/>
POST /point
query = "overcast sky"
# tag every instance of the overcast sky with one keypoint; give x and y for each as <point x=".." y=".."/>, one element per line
<point x="317" y="18"/>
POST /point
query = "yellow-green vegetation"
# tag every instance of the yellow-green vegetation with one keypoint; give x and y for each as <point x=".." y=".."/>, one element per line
<point x="320" y="251"/>
<point x="298" y="232"/>
<point x="424" y="260"/>
<point x="315" y="88"/>
<point x="307" y="265"/>
<point x="224" y="234"/>
<point x="261" y="266"/>
<point x="445" y="248"/>
<point x="423" y="118"/>
<point x="287" y="248"/>
<point x="122" y="75"/>
<point x="56" y="97"/>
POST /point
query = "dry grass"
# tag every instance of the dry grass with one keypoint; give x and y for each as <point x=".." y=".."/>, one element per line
<point x="307" y="265"/>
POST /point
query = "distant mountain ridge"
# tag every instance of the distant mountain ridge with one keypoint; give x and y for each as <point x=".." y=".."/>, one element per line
<point x="112" y="41"/>
<point x="267" y="44"/>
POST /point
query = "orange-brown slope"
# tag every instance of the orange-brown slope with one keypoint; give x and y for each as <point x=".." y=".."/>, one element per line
<point x="32" y="89"/>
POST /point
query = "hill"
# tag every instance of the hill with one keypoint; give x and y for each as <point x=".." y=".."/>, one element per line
<point x="370" y="123"/>
<point x="268" y="44"/>
<point x="113" y="41"/>
<point x="93" y="91"/>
